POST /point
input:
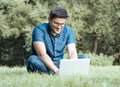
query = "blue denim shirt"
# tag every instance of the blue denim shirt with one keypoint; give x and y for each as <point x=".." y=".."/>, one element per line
<point x="54" y="44"/>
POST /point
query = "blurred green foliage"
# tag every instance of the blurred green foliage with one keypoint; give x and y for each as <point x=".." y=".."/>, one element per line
<point x="96" y="25"/>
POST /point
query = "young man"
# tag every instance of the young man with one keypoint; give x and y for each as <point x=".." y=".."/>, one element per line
<point x="48" y="43"/>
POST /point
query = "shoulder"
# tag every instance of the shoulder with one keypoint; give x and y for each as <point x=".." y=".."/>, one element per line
<point x="42" y="26"/>
<point x="40" y="29"/>
<point x="67" y="29"/>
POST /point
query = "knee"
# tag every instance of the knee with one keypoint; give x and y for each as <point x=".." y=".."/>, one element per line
<point x="35" y="63"/>
<point x="32" y="59"/>
<point x="80" y="56"/>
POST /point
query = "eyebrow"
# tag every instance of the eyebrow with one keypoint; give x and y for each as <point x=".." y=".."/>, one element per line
<point x="59" y="23"/>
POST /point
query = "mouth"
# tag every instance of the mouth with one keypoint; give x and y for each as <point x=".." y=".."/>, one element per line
<point x="58" y="30"/>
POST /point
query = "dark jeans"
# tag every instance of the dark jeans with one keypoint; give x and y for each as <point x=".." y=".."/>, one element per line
<point x="35" y="64"/>
<point x="82" y="56"/>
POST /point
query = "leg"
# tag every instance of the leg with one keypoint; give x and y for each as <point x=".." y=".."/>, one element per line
<point x="80" y="56"/>
<point x="34" y="63"/>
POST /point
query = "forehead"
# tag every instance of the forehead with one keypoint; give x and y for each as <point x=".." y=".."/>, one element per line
<point x="60" y="20"/>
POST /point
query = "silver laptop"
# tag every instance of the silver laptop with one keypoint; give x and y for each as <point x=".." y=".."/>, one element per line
<point x="74" y="66"/>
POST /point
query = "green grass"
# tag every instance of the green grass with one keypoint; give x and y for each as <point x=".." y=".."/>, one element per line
<point x="99" y="76"/>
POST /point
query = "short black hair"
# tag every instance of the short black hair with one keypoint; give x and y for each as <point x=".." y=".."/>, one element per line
<point x="58" y="12"/>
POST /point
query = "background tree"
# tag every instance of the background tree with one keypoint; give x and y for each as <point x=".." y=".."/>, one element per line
<point x="95" y="23"/>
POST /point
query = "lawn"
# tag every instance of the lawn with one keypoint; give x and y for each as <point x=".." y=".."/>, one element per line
<point x="99" y="76"/>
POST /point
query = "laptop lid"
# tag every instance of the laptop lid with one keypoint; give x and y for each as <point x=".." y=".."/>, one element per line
<point x="74" y="66"/>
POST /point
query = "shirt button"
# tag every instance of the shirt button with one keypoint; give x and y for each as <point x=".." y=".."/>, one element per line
<point x="55" y="52"/>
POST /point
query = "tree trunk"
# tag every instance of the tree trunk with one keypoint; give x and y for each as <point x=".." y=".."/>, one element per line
<point x="95" y="42"/>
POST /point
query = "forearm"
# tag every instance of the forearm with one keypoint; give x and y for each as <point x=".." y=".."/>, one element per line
<point x="49" y="63"/>
<point x="72" y="52"/>
<point x="41" y="51"/>
<point x="73" y="55"/>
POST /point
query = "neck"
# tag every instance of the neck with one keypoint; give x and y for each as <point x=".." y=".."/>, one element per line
<point x="54" y="34"/>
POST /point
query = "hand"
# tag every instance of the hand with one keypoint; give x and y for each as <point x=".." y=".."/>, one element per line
<point x="57" y="72"/>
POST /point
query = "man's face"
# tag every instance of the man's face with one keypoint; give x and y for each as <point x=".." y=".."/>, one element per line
<point x="57" y="24"/>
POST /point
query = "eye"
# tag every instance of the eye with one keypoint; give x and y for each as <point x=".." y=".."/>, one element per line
<point x="58" y="24"/>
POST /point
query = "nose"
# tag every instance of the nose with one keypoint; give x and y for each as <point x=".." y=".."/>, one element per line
<point x="59" y="26"/>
